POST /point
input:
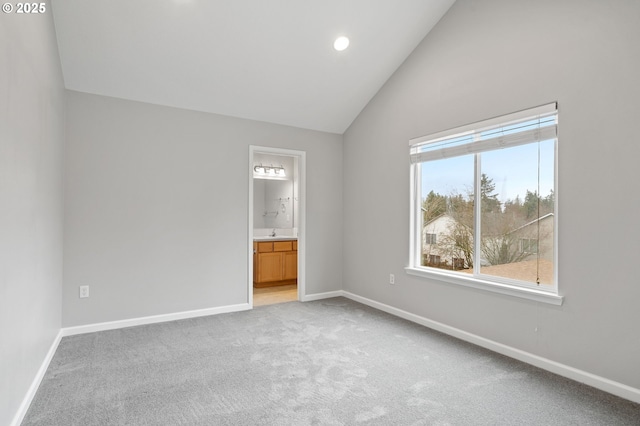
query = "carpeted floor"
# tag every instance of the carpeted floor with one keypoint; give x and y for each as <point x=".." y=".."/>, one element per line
<point x="329" y="362"/>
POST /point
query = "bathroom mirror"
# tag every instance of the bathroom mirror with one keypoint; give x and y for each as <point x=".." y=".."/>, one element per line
<point x="273" y="204"/>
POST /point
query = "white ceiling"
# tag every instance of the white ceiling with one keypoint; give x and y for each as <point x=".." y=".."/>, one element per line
<point x="267" y="60"/>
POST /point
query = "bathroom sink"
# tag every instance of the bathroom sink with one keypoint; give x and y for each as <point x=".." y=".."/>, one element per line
<point x="276" y="238"/>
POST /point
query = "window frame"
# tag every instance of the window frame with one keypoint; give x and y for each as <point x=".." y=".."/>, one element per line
<point x="477" y="280"/>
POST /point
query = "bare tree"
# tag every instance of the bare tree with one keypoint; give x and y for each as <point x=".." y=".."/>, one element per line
<point x="500" y="242"/>
<point x="458" y="243"/>
<point x="502" y="249"/>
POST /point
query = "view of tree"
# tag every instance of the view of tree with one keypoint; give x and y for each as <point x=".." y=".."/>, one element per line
<point x="458" y="243"/>
<point x="433" y="206"/>
<point x="488" y="199"/>
<point x="502" y="248"/>
<point x="532" y="202"/>
<point x="499" y="244"/>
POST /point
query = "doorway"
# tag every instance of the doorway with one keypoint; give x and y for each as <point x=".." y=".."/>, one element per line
<point x="276" y="229"/>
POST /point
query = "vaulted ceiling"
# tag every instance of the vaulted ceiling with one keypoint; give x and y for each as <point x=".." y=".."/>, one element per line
<point x="267" y="60"/>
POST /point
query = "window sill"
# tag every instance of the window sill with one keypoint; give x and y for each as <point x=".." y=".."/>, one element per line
<point x="525" y="293"/>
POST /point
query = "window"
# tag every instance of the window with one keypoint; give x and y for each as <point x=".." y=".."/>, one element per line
<point x="529" y="245"/>
<point x="487" y="191"/>
<point x="458" y="263"/>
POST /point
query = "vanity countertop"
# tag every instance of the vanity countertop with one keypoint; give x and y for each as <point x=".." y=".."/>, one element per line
<point x="276" y="238"/>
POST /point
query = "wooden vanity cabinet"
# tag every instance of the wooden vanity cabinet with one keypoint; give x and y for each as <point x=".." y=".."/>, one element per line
<point x="290" y="266"/>
<point x="275" y="263"/>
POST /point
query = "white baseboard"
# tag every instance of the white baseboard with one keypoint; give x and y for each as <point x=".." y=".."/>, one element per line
<point x="604" y="384"/>
<point x="35" y="384"/>
<point x="320" y="296"/>
<point x="113" y="325"/>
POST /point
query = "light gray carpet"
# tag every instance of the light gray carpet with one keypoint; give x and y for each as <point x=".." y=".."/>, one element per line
<point x="330" y="362"/>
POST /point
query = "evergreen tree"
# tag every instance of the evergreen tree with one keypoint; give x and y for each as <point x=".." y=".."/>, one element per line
<point x="530" y="206"/>
<point x="488" y="199"/>
<point x="548" y="203"/>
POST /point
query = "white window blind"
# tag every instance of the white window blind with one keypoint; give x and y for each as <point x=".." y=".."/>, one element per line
<point x="531" y="125"/>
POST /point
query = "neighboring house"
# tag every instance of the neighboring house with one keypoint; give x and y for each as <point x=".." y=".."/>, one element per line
<point x="441" y="248"/>
<point x="536" y="238"/>
<point x="438" y="247"/>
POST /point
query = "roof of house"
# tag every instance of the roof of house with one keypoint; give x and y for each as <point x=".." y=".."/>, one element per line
<point x="541" y="218"/>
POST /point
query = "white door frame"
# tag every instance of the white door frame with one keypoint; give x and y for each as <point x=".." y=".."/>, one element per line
<point x="301" y="220"/>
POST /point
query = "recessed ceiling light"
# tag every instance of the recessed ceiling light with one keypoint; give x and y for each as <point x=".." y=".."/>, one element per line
<point x="341" y="43"/>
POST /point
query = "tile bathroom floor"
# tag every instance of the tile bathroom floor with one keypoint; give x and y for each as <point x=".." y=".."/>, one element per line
<point x="273" y="295"/>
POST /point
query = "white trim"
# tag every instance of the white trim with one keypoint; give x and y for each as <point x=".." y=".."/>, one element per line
<point x="35" y="384"/>
<point x="302" y="212"/>
<point x="250" y="232"/>
<point x="113" y="325"/>
<point x="495" y="121"/>
<point x="484" y="145"/>
<point x="598" y="382"/>
<point x="492" y="286"/>
<point x="320" y="296"/>
<point x="415" y="216"/>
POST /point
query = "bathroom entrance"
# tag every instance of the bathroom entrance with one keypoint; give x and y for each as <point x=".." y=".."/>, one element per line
<point x="276" y="226"/>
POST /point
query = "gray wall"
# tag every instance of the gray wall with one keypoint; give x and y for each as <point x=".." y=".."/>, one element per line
<point x="156" y="208"/>
<point x="487" y="58"/>
<point x="31" y="143"/>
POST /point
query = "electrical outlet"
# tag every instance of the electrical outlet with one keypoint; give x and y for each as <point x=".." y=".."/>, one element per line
<point x="84" y="291"/>
<point x="392" y="279"/>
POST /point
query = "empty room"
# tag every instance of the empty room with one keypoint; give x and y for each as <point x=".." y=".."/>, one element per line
<point x="267" y="212"/>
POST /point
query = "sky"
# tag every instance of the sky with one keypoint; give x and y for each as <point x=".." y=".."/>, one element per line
<point x="514" y="170"/>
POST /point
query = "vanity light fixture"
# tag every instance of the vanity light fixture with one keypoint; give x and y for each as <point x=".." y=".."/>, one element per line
<point x="269" y="171"/>
<point x="341" y="43"/>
